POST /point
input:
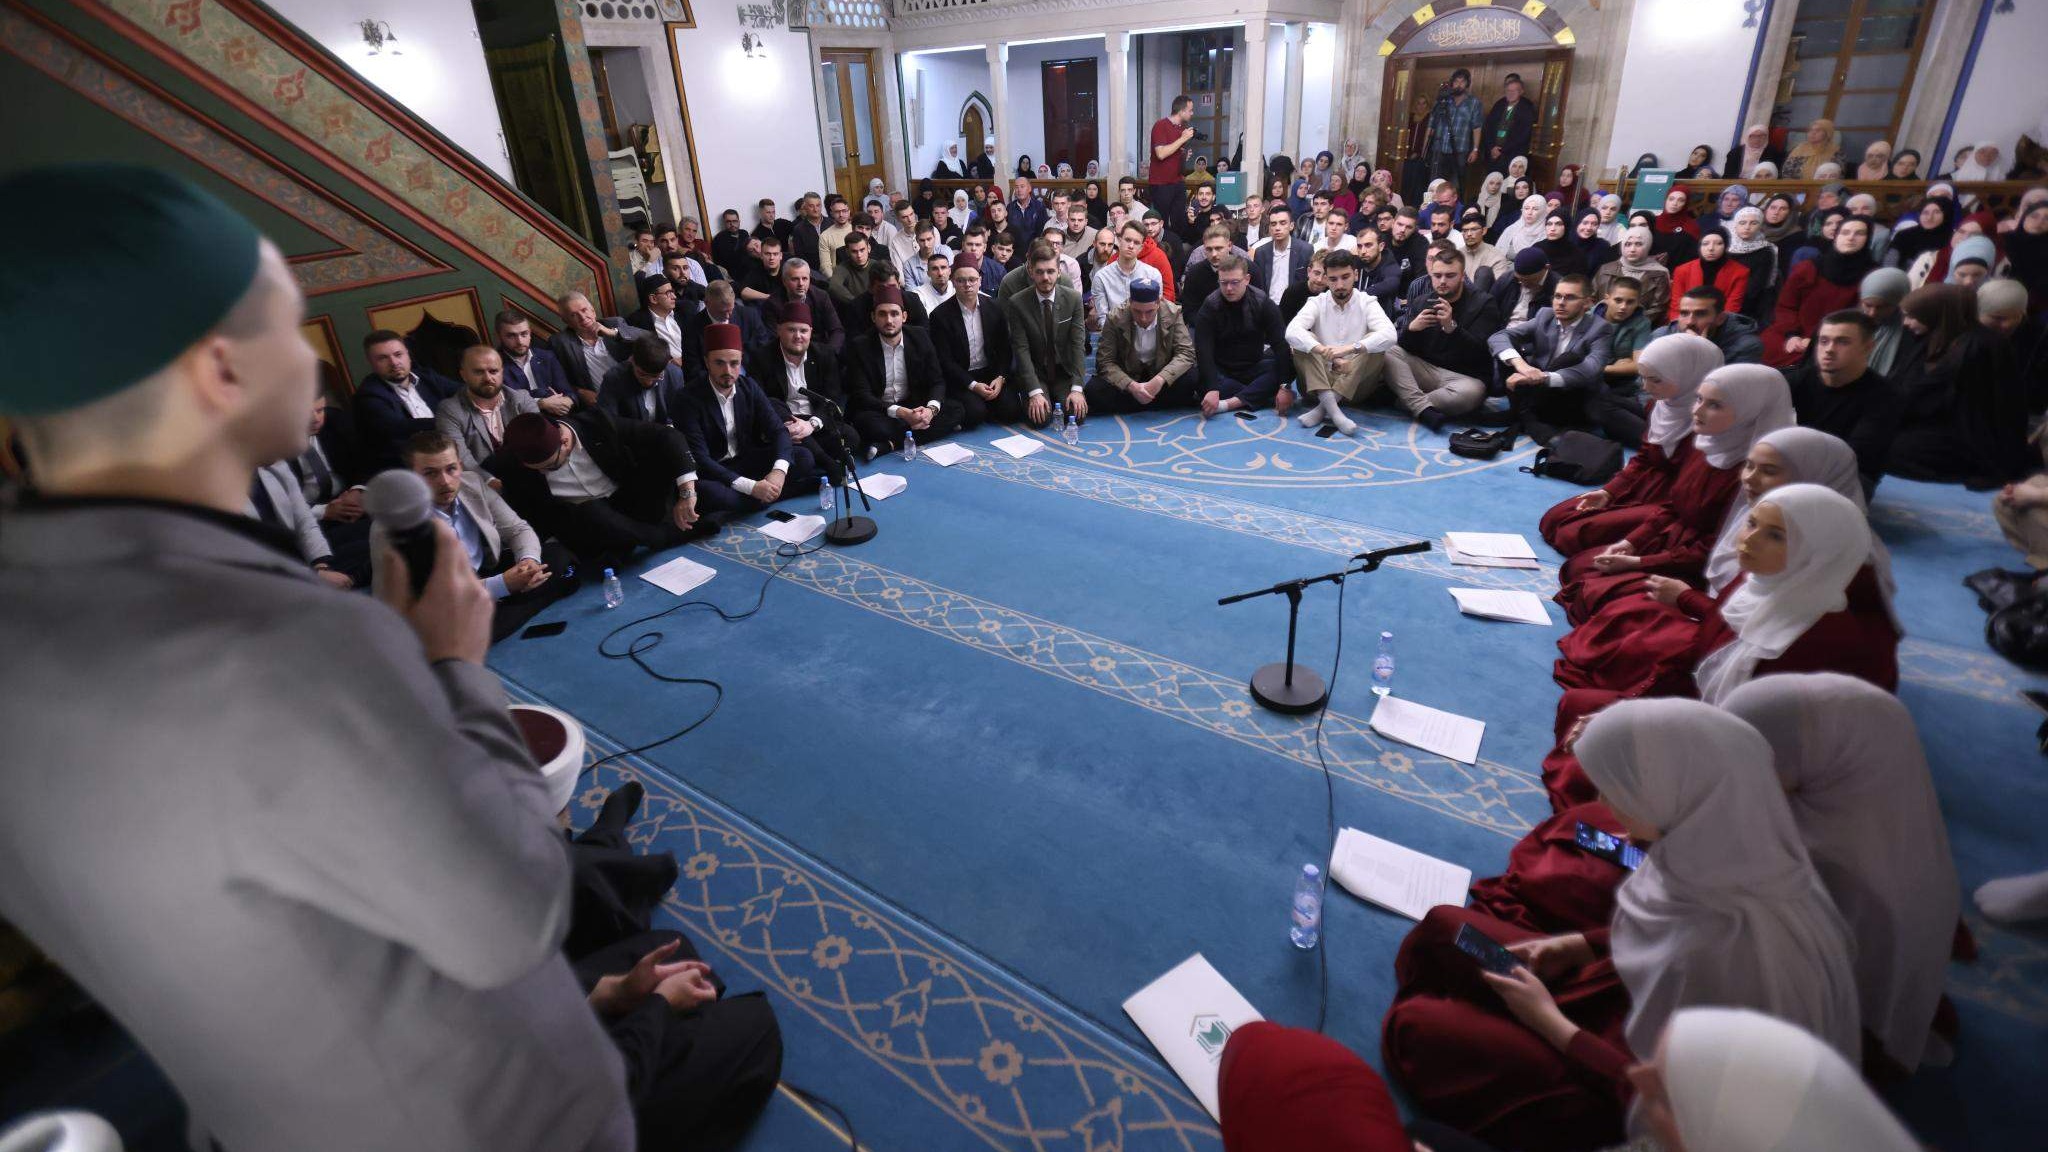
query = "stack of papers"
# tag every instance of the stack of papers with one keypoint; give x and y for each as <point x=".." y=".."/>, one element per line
<point x="1396" y="878"/>
<point x="1189" y="1014"/>
<point x="1497" y="604"/>
<point x="1490" y="550"/>
<point x="1447" y="734"/>
<point x="882" y="485"/>
<point x="946" y="455"/>
<point x="679" y="575"/>
<point x="1018" y="446"/>
<point x="795" y="530"/>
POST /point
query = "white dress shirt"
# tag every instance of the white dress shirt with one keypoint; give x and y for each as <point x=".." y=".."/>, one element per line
<point x="1283" y="268"/>
<point x="1360" y="321"/>
<point x="409" y="395"/>
<point x="799" y="404"/>
<point x="598" y="358"/>
<point x="671" y="333"/>
<point x="740" y="484"/>
<point x="977" y="343"/>
<point x="1145" y="341"/>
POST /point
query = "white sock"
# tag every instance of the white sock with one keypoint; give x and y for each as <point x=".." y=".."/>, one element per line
<point x="1311" y="414"/>
<point x="1345" y="424"/>
<point x="2015" y="898"/>
<point x="1327" y="401"/>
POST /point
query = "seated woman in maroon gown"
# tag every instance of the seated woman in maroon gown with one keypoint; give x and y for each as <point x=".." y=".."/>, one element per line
<point x="1725" y="909"/>
<point x="1285" y="1089"/>
<point x="1670" y="368"/>
<point x="1857" y="780"/>
<point x="1808" y="599"/>
<point x="1736" y="404"/>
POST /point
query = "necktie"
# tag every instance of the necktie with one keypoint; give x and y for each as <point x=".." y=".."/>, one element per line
<point x="266" y="509"/>
<point x="1048" y="357"/>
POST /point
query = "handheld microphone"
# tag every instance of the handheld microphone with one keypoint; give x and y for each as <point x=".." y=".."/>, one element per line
<point x="1380" y="554"/>
<point x="398" y="502"/>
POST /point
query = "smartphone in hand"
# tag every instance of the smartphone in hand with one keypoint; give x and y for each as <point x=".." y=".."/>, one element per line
<point x="1609" y="847"/>
<point x="1490" y="953"/>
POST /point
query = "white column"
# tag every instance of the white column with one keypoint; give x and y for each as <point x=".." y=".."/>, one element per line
<point x="999" y="107"/>
<point x="1290" y="117"/>
<point x="1120" y="159"/>
<point x="1254" y="99"/>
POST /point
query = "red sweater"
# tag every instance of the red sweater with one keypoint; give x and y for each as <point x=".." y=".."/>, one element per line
<point x="1732" y="280"/>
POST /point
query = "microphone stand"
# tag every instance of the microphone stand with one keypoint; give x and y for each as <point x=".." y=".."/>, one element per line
<point x="846" y="528"/>
<point x="1285" y="687"/>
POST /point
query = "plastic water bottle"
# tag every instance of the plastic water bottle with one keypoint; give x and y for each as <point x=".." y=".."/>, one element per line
<point x="614" y="592"/>
<point x="1308" y="908"/>
<point x="825" y="496"/>
<point x="909" y="445"/>
<point x="1059" y="418"/>
<point x="1071" y="431"/>
<point x="1383" y="666"/>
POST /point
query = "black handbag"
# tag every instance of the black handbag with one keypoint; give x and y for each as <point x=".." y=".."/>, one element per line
<point x="1479" y="444"/>
<point x="1579" y="457"/>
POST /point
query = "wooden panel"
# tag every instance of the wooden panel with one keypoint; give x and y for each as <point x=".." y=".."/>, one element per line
<point x="335" y="378"/>
<point x="460" y="307"/>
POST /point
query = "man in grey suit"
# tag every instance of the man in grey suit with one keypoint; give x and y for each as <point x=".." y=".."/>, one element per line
<point x="475" y="418"/>
<point x="589" y="346"/>
<point x="522" y="575"/>
<point x="291" y="839"/>
<point x="1555" y="362"/>
<point x="1048" y="339"/>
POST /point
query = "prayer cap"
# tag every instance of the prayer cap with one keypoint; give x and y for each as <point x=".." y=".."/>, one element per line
<point x="795" y="312"/>
<point x="1997" y="297"/>
<point x="533" y="438"/>
<point x="1887" y="284"/>
<point x="722" y="338"/>
<point x="64" y="225"/>
<point x="887" y="294"/>
<point x="1144" y="292"/>
<point x="1531" y="260"/>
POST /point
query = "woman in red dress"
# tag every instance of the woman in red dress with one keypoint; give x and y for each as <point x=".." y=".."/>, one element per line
<point x="1831" y="281"/>
<point x="1670" y="368"/>
<point x="1284" y="1089"/>
<point x="1725" y="910"/>
<point x="1736" y="404"/>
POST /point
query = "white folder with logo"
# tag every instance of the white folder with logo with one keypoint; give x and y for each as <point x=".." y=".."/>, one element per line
<point x="1189" y="1014"/>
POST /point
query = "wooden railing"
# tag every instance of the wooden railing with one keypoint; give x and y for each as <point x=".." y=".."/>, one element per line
<point x="1894" y="197"/>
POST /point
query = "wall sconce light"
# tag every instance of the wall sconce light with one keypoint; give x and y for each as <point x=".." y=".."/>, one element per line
<point x="1753" y="8"/>
<point x="755" y="46"/>
<point x="377" y="33"/>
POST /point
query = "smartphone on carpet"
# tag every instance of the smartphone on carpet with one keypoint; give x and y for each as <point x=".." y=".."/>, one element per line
<point x="540" y="631"/>
<point x="779" y="516"/>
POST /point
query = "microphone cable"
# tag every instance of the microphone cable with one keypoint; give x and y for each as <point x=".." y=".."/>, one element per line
<point x="1329" y="821"/>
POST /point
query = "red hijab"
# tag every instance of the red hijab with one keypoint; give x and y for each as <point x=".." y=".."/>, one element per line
<point x="1287" y="1090"/>
<point x="1685" y="221"/>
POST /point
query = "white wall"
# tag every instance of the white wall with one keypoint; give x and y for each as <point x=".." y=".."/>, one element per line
<point x="949" y="79"/>
<point x="1318" y="82"/>
<point x="2003" y="95"/>
<point x="755" y="120"/>
<point x="1276" y="95"/>
<point x="438" y="74"/>
<point x="1682" y="81"/>
<point x="629" y="89"/>
<point x="1025" y="130"/>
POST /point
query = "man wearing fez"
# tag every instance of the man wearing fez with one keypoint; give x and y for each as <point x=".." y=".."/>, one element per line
<point x="334" y="911"/>
<point x="602" y="485"/>
<point x="789" y="367"/>
<point x="742" y="447"/>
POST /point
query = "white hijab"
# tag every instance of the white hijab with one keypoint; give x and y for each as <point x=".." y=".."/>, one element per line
<point x="962" y="211"/>
<point x="1827" y="541"/>
<point x="1811" y="457"/>
<point x="1741" y="1081"/>
<point x="1518" y="167"/>
<point x="1683" y="359"/>
<point x="1726" y="908"/>
<point x="1970" y="170"/>
<point x="1742" y="165"/>
<point x="1488" y="200"/>
<point x="1857" y="780"/>
<point x="1612" y="230"/>
<point x="1527" y="229"/>
<point x="1762" y="403"/>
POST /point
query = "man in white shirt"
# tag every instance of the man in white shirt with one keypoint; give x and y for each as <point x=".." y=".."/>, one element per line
<point x="1113" y="281"/>
<point x="937" y="283"/>
<point x="1340" y="340"/>
<point x="973" y="342"/>
<point x="603" y="486"/>
<point x="1279" y="262"/>
<point x="1337" y="232"/>
<point x="658" y="294"/>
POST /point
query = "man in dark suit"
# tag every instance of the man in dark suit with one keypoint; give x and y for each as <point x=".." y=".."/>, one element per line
<point x="1027" y="211"/>
<point x="720" y="307"/>
<point x="1556" y="362"/>
<point x="531" y="370"/>
<point x="803" y="243"/>
<point x="729" y="247"/>
<point x="1241" y="347"/>
<point x="1527" y="292"/>
<point x="589" y="347"/>
<point x="1279" y="254"/>
<point x="743" y="451"/>
<point x="394" y="401"/>
<point x="658" y="314"/>
<point x="601" y="485"/>
<point x="894" y="382"/>
<point x="1508" y="128"/>
<point x="648" y="386"/>
<point x="860" y="318"/>
<point x="792" y="364"/>
<point x="1048" y="339"/>
<point x="1442" y="365"/>
<point x="794" y="281"/>
<point x="972" y="338"/>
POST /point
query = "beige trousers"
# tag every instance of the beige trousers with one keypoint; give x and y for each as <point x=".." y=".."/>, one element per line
<point x="1360" y="378"/>
<point x="1419" y="384"/>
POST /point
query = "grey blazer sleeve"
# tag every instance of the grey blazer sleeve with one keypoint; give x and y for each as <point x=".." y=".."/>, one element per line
<point x="285" y="493"/>
<point x="449" y="418"/>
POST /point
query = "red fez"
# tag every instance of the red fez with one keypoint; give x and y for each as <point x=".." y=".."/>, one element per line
<point x="722" y="337"/>
<point x="533" y="438"/>
<point x="795" y="312"/>
<point x="887" y="294"/>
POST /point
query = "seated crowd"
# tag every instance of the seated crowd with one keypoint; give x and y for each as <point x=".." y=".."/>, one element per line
<point x="1730" y="671"/>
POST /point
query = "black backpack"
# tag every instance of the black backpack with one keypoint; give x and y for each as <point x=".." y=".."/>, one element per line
<point x="1479" y="444"/>
<point x="1579" y="457"/>
<point x="2019" y="631"/>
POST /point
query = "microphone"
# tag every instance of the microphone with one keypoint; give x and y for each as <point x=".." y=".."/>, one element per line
<point x="1380" y="554"/>
<point x="821" y="398"/>
<point x="398" y="502"/>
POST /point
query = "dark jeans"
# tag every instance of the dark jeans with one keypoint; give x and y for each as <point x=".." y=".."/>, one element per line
<point x="1170" y="200"/>
<point x="718" y="498"/>
<point x="605" y="533"/>
<point x="1449" y="166"/>
<point x="1256" y="392"/>
<point x="513" y="611"/>
<point x="883" y="431"/>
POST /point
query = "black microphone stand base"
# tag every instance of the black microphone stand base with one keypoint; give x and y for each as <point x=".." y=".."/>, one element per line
<point x="1289" y="689"/>
<point x="850" y="531"/>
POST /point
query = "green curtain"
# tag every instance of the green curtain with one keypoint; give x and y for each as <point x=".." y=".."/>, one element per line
<point x="544" y="153"/>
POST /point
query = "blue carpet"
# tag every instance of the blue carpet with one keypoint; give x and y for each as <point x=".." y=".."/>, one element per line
<point x="975" y="782"/>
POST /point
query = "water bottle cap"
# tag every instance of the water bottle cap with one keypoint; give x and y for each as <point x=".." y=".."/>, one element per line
<point x="1310" y="872"/>
<point x="607" y="572"/>
<point x="1386" y="635"/>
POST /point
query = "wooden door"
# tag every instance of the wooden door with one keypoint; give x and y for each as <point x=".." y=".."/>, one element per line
<point x="1410" y="89"/>
<point x="973" y="134"/>
<point x="1207" y="62"/>
<point x="1853" y="61"/>
<point x="853" y="119"/>
<point x="1070" y="134"/>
